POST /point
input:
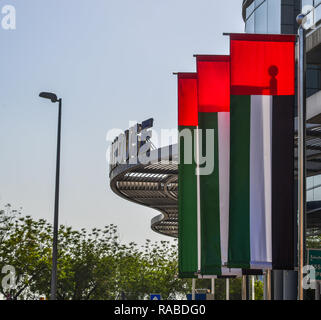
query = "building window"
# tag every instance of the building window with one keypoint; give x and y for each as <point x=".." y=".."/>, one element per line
<point x="263" y="16"/>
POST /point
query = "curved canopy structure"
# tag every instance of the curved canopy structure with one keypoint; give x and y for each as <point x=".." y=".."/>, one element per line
<point x="155" y="185"/>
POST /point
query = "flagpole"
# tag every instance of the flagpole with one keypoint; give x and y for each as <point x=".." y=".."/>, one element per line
<point x="213" y="287"/>
<point x="268" y="285"/>
<point x="247" y="287"/>
<point x="199" y="254"/>
<point x="253" y="288"/>
<point x="301" y="152"/>
<point x="227" y="289"/>
<point x="193" y="288"/>
<point x="243" y="287"/>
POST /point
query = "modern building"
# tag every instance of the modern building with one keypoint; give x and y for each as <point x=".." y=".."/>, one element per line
<point x="270" y="16"/>
<point x="279" y="16"/>
<point x="155" y="185"/>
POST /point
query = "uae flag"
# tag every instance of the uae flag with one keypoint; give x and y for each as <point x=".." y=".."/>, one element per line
<point x="213" y="78"/>
<point x="187" y="179"/>
<point x="261" y="217"/>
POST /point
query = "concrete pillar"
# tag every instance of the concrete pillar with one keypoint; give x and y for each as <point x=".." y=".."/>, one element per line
<point x="290" y="285"/>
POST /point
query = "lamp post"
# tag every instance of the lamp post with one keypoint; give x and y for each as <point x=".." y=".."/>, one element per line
<point x="301" y="152"/>
<point x="53" y="290"/>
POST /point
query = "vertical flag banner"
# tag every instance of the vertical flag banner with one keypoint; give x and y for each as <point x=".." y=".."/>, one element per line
<point x="213" y="77"/>
<point x="261" y="220"/>
<point x="187" y="179"/>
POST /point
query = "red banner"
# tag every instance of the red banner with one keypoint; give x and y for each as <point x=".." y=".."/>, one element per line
<point x="213" y="74"/>
<point x="262" y="64"/>
<point x="187" y="99"/>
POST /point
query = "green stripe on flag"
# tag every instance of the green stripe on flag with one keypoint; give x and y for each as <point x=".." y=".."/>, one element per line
<point x="210" y="203"/>
<point x="239" y="219"/>
<point x="187" y="215"/>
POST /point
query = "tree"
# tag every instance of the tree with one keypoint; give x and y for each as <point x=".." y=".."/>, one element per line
<point x="258" y="289"/>
<point x="25" y="246"/>
<point x="153" y="270"/>
<point x="91" y="265"/>
<point x="6" y="218"/>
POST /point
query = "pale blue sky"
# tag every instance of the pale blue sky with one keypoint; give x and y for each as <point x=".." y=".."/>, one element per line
<point x="111" y="61"/>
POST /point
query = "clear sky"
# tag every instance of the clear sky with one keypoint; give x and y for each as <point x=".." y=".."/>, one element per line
<point x="111" y="61"/>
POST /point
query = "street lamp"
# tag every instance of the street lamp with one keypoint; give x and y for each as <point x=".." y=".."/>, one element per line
<point x="301" y="151"/>
<point x="53" y="290"/>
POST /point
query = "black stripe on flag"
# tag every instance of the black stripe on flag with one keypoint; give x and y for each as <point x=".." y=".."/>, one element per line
<point x="283" y="242"/>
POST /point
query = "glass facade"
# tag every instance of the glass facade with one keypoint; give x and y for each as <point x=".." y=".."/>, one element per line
<point x="313" y="71"/>
<point x="279" y="16"/>
<point x="313" y="85"/>
<point x="263" y="16"/>
<point x="315" y="16"/>
<point x="314" y="188"/>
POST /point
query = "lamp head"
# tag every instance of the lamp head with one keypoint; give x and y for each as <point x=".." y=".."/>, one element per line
<point x="49" y="95"/>
<point x="300" y="19"/>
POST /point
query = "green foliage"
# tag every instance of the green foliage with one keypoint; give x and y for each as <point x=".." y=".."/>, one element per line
<point x="258" y="289"/>
<point x="25" y="244"/>
<point x="91" y="265"/>
<point x="94" y="265"/>
<point x="314" y="242"/>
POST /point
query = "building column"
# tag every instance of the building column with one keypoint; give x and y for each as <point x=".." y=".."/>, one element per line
<point x="290" y="285"/>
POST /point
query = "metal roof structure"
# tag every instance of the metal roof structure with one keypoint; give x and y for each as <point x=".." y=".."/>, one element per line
<point x="245" y="4"/>
<point x="155" y="185"/>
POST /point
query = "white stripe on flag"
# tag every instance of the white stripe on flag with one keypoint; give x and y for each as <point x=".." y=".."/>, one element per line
<point x="267" y="138"/>
<point x="224" y="160"/>
<point x="260" y="182"/>
<point x="224" y="182"/>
